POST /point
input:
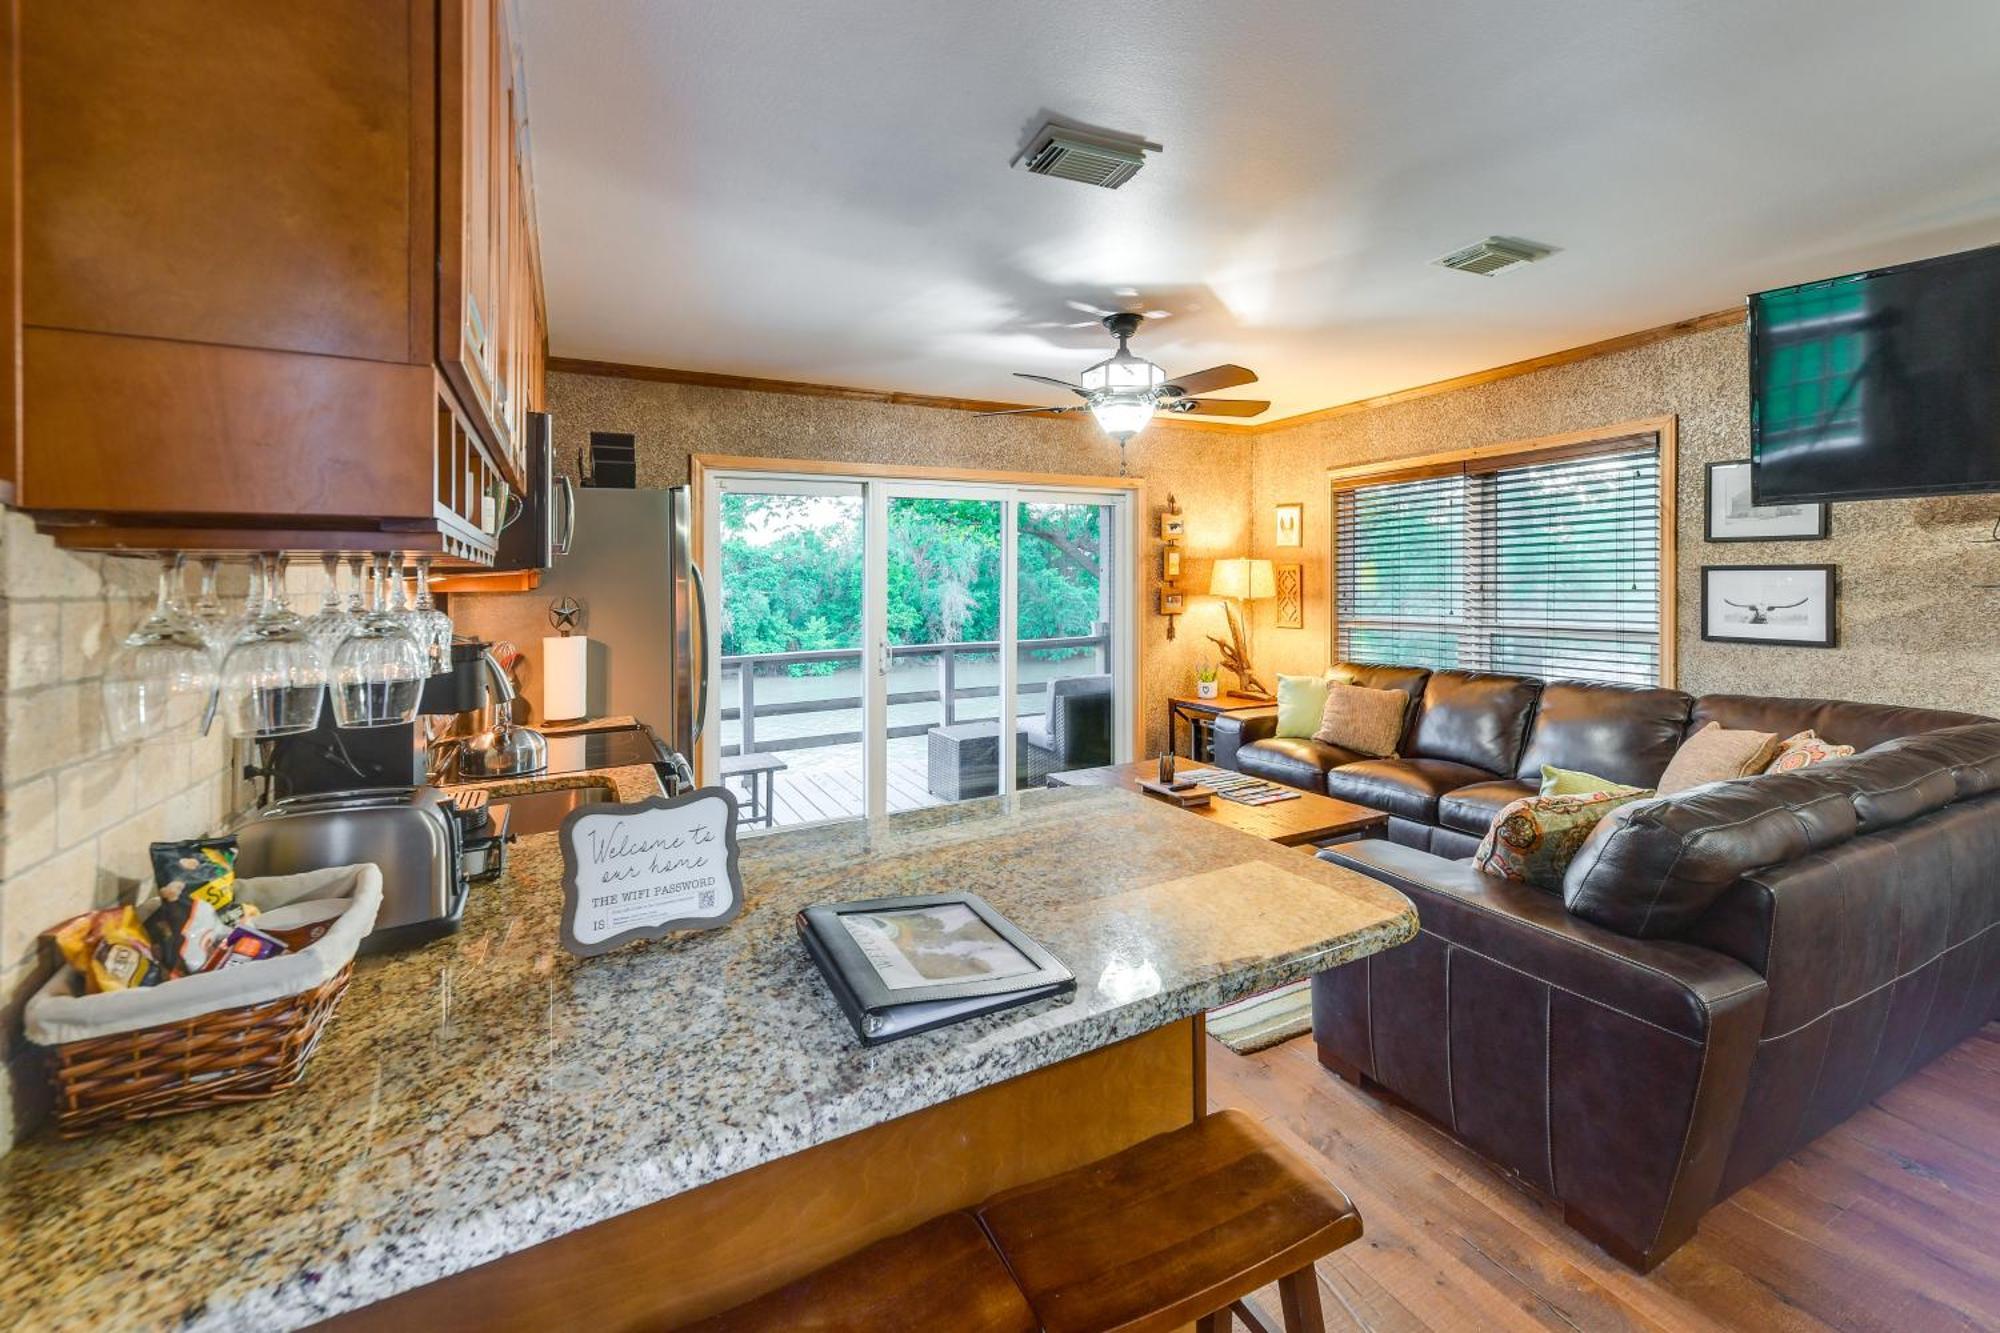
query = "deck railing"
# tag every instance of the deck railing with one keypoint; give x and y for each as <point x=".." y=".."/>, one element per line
<point x="947" y="692"/>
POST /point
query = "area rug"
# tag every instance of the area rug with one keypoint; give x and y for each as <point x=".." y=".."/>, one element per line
<point x="1257" y="1021"/>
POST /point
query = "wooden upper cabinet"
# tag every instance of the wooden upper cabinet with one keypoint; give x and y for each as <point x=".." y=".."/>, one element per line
<point x="263" y="255"/>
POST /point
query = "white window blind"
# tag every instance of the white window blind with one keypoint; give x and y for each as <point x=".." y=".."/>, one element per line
<point x="1547" y="569"/>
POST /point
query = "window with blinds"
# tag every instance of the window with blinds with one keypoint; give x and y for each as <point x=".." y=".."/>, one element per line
<point x="1546" y="569"/>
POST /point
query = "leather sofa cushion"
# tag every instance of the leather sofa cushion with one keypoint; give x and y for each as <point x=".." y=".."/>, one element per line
<point x="1650" y="869"/>
<point x="1293" y="761"/>
<point x="1471" y="809"/>
<point x="1626" y="733"/>
<point x="1860" y="725"/>
<point x="1890" y="785"/>
<point x="1406" y="787"/>
<point x="1410" y="680"/>
<point x="1474" y="718"/>
<point x="1972" y="753"/>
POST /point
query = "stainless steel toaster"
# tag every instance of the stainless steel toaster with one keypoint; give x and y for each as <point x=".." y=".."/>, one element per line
<point x="411" y="833"/>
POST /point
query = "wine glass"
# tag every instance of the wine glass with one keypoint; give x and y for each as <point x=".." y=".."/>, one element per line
<point x="378" y="669"/>
<point x="331" y="622"/>
<point x="432" y="626"/>
<point x="273" y="678"/>
<point x="162" y="676"/>
<point x="218" y="622"/>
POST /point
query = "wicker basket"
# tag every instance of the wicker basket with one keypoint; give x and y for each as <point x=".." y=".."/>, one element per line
<point x="238" y="1035"/>
<point x="231" y="1055"/>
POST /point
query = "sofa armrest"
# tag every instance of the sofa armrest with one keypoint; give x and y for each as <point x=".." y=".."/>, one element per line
<point x="1233" y="731"/>
<point x="1667" y="983"/>
<point x="1607" y="1071"/>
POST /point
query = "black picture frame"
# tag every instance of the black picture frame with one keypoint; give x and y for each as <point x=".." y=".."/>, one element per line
<point x="1822" y="531"/>
<point x="1831" y="574"/>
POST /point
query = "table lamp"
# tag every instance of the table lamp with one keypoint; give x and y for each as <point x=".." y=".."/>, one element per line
<point x="1238" y="580"/>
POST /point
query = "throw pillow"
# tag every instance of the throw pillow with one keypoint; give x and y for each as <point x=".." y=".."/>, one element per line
<point x="1715" y="755"/>
<point x="1301" y="701"/>
<point x="1365" y="721"/>
<point x="1804" y="750"/>
<point x="1570" y="782"/>
<point x="1534" y="839"/>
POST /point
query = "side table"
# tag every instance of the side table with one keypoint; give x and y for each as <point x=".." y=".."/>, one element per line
<point x="1200" y="715"/>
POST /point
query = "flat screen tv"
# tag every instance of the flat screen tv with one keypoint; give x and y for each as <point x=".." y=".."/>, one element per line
<point x="1878" y="384"/>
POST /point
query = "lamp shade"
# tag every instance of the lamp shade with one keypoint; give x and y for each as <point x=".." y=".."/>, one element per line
<point x="1243" y="578"/>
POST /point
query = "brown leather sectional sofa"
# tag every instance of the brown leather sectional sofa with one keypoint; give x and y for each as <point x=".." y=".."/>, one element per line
<point x="1729" y="972"/>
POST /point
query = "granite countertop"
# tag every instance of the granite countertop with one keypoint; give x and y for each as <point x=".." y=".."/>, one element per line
<point x="488" y="1092"/>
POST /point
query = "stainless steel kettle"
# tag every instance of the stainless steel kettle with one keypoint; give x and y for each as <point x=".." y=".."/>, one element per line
<point x="486" y="742"/>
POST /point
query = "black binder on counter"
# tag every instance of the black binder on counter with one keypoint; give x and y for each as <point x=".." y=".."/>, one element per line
<point x="900" y="966"/>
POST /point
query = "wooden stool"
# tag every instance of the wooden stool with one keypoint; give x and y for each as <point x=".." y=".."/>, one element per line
<point x="943" y="1274"/>
<point x="1178" y="1228"/>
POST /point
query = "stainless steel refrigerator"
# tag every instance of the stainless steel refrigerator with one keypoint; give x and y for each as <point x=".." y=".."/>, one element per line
<point x="631" y="567"/>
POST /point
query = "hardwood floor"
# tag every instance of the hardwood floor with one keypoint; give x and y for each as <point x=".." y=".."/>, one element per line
<point x="1890" y="1222"/>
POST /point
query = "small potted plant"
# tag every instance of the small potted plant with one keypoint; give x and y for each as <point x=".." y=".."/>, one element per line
<point x="1205" y="681"/>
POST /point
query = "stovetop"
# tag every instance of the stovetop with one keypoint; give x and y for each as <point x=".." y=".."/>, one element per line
<point x="605" y="749"/>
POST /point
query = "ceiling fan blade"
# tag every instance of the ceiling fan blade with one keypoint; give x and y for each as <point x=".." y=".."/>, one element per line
<point x="1023" y="411"/>
<point x="1215" y="377"/>
<point x="1223" y="407"/>
<point x="1076" y="389"/>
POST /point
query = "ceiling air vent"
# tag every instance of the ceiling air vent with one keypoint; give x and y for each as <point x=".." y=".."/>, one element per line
<point x="1083" y="155"/>
<point x="1494" y="254"/>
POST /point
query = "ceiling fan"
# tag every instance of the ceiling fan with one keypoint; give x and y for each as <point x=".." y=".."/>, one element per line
<point x="1123" y="391"/>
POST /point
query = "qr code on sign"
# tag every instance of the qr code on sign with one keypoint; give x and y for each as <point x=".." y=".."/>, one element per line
<point x="706" y="899"/>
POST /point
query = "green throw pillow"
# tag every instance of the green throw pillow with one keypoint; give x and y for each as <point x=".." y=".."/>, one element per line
<point x="1301" y="702"/>
<point x="1569" y="782"/>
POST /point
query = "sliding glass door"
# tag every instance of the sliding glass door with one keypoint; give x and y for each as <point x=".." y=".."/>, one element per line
<point x="889" y="645"/>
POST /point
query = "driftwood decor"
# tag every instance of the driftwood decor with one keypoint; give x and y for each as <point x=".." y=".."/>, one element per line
<point x="1235" y="657"/>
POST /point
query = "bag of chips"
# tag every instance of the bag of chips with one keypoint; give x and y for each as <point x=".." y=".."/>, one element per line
<point x="110" y="948"/>
<point x="206" y="867"/>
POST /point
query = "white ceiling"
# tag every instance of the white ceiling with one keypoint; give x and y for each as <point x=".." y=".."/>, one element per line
<point x="820" y="190"/>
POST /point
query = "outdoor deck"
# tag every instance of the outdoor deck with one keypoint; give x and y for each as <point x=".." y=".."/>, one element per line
<point x="825" y="782"/>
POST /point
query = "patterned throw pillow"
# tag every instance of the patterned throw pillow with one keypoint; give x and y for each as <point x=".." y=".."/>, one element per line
<point x="1804" y="750"/>
<point x="1534" y="839"/>
<point x="1365" y="721"/>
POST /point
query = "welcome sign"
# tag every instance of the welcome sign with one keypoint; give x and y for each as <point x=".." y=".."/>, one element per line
<point x="637" y="872"/>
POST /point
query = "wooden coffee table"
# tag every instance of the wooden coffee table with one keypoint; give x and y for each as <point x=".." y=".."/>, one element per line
<point x="1308" y="821"/>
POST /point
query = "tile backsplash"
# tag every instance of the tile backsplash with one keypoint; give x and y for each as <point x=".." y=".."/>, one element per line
<point x="76" y="813"/>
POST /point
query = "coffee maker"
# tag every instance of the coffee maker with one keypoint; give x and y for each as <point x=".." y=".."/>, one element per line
<point x="340" y="795"/>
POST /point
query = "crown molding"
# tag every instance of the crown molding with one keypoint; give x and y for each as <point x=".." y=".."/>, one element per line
<point x="1624" y="342"/>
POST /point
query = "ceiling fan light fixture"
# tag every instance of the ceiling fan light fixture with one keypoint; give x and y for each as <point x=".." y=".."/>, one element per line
<point x="1122" y="415"/>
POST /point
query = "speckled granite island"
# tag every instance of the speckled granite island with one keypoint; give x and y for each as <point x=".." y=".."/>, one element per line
<point x="666" y="1129"/>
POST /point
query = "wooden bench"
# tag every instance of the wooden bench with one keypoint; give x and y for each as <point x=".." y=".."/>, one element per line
<point x="1180" y="1228"/>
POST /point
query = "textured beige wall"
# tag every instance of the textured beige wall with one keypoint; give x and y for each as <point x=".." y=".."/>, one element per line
<point x="76" y="815"/>
<point x="1914" y="626"/>
<point x="1208" y="471"/>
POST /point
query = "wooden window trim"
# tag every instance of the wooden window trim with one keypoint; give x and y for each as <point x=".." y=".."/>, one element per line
<point x="1526" y="453"/>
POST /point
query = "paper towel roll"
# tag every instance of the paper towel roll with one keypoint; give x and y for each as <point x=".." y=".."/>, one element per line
<point x="565" y="678"/>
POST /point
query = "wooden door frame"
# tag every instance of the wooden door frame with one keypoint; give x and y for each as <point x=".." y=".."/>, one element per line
<point x="1520" y="453"/>
<point x="700" y="466"/>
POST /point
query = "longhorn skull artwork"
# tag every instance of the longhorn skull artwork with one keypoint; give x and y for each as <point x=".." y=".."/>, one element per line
<point x="1760" y="613"/>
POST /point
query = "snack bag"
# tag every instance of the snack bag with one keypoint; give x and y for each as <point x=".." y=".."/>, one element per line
<point x="244" y="945"/>
<point x="207" y="867"/>
<point x="110" y="948"/>
<point x="185" y="930"/>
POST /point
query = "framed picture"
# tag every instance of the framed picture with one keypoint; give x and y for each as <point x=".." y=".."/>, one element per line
<point x="1170" y="563"/>
<point x="1291" y="609"/>
<point x="1732" y="518"/>
<point x="1783" y="605"/>
<point x="1173" y="527"/>
<point x="1172" y="602"/>
<point x="1291" y="529"/>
